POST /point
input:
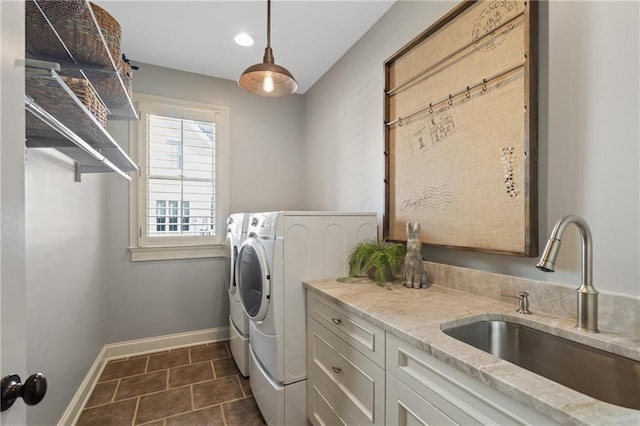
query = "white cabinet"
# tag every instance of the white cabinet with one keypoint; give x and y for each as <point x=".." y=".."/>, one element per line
<point x="358" y="374"/>
<point x="346" y="382"/>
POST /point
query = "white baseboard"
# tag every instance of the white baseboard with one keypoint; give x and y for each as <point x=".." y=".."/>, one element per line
<point x="113" y="351"/>
<point x="162" y="343"/>
<point x="71" y="414"/>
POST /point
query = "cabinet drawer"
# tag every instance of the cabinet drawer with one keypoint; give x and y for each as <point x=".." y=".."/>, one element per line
<point x="365" y="337"/>
<point x="464" y="399"/>
<point x="323" y="407"/>
<point x="354" y="379"/>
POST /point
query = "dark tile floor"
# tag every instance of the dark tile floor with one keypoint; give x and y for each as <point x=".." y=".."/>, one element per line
<point x="198" y="385"/>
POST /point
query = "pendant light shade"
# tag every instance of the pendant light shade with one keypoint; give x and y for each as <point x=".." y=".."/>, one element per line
<point x="267" y="78"/>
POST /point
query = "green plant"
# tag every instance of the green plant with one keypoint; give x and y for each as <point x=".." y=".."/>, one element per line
<point x="381" y="260"/>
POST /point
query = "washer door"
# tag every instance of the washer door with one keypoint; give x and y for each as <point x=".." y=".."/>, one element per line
<point x="254" y="280"/>
<point x="230" y="255"/>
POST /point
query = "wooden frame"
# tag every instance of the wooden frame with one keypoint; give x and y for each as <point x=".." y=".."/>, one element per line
<point x="461" y="130"/>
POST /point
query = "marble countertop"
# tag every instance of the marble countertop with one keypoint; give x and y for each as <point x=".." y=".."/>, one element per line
<point x="419" y="315"/>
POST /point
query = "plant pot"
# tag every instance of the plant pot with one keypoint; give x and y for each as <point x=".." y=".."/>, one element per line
<point x="388" y="275"/>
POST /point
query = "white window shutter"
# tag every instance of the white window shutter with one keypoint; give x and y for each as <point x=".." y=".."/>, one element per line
<point x="181" y="176"/>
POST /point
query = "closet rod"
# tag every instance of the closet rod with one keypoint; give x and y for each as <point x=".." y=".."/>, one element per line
<point x="449" y="98"/>
<point x="454" y="53"/>
<point x="49" y="119"/>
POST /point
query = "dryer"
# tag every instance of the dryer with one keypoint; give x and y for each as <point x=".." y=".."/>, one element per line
<point x="281" y="250"/>
<point x="238" y="320"/>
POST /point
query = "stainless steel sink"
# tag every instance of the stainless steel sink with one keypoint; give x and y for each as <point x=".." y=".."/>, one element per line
<point x="602" y="375"/>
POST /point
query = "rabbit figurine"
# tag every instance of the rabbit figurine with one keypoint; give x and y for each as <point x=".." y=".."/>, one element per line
<point x="413" y="273"/>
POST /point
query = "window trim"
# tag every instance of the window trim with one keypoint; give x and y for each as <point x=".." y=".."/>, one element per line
<point x="183" y="247"/>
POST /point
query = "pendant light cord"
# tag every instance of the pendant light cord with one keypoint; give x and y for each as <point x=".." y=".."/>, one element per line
<point x="269" y="23"/>
<point x="268" y="53"/>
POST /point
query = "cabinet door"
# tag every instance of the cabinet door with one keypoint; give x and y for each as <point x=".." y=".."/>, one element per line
<point x="407" y="408"/>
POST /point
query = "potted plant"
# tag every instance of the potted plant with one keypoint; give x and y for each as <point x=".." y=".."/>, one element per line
<point x="379" y="260"/>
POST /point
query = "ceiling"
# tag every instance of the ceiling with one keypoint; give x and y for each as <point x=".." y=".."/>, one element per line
<point x="307" y="37"/>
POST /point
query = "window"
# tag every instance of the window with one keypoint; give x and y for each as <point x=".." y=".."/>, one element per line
<point x="179" y="196"/>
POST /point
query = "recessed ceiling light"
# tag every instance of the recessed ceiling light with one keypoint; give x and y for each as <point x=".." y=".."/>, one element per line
<point x="244" y="39"/>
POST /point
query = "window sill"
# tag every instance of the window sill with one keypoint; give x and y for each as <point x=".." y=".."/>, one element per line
<point x="140" y="254"/>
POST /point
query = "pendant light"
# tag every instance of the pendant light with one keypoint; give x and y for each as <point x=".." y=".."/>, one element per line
<point x="267" y="78"/>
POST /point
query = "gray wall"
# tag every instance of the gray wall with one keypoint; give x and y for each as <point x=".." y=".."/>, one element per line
<point x="588" y="134"/>
<point x="66" y="276"/>
<point x="146" y="299"/>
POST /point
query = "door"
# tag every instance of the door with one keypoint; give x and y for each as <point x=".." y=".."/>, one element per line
<point x="12" y="203"/>
<point x="254" y="279"/>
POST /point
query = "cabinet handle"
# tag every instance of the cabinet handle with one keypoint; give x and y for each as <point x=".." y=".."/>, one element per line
<point x="336" y="321"/>
<point x="337" y="370"/>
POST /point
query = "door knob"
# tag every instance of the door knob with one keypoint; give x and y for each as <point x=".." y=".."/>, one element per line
<point x="32" y="391"/>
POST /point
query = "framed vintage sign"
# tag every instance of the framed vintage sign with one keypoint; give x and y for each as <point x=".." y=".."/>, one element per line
<point x="460" y="130"/>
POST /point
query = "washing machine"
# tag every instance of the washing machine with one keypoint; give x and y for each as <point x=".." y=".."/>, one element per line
<point x="238" y="319"/>
<point x="282" y="250"/>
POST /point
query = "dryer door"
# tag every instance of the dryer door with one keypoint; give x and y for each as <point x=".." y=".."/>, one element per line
<point x="231" y="255"/>
<point x="254" y="280"/>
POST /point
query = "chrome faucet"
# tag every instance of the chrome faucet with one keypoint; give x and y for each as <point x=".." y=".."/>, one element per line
<point x="587" y="295"/>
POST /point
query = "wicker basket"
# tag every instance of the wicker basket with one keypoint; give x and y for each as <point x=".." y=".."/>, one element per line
<point x="109" y="88"/>
<point x="111" y="30"/>
<point x="60" y="9"/>
<point x="78" y="33"/>
<point x="126" y="73"/>
<point x="87" y="96"/>
<point x="46" y="92"/>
